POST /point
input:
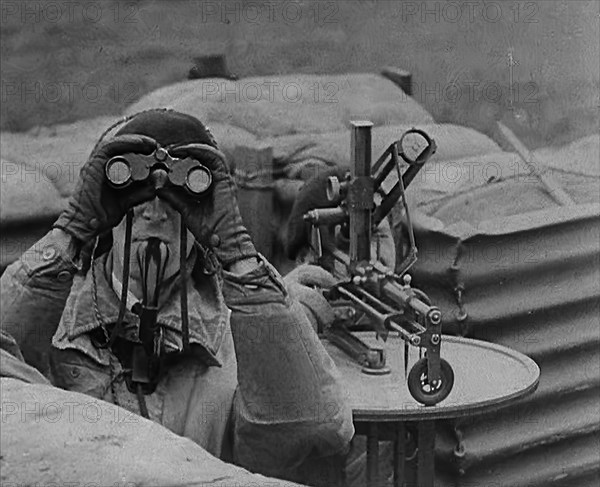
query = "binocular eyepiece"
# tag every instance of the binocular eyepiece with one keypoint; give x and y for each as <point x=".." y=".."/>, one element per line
<point x="158" y="168"/>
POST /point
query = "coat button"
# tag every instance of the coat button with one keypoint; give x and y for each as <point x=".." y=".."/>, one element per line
<point x="48" y="253"/>
<point x="63" y="276"/>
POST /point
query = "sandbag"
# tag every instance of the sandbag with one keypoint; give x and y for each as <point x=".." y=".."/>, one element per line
<point x="56" y="152"/>
<point x="301" y="156"/>
<point x="580" y="156"/>
<point x="511" y="197"/>
<point x="56" y="437"/>
<point x="496" y="185"/>
<point x="27" y="194"/>
<point x="484" y="186"/>
<point x="234" y="142"/>
<point x="282" y="105"/>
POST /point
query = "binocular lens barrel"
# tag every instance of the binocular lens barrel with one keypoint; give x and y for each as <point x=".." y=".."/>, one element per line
<point x="118" y="171"/>
<point x="198" y="180"/>
<point x="188" y="174"/>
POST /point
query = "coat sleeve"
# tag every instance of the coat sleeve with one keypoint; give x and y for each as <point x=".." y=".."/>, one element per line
<point x="34" y="290"/>
<point x="12" y="364"/>
<point x="289" y="405"/>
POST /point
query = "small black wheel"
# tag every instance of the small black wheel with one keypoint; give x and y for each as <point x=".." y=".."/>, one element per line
<point x="430" y="394"/>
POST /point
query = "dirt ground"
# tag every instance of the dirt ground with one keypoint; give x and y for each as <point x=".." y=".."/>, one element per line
<point x="63" y="61"/>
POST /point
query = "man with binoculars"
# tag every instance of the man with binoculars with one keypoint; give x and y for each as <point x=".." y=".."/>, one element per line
<point x="156" y="300"/>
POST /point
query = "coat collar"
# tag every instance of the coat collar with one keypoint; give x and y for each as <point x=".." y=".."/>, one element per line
<point x="208" y="315"/>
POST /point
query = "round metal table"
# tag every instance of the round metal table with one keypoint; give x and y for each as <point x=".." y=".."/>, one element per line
<point x="486" y="377"/>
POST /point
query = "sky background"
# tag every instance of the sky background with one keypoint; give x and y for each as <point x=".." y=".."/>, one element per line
<point x="66" y="60"/>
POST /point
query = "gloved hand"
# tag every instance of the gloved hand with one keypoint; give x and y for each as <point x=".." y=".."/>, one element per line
<point x="305" y="284"/>
<point x="311" y="276"/>
<point x="94" y="206"/>
<point x="215" y="219"/>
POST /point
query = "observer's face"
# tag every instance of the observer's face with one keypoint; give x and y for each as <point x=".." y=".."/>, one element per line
<point x="153" y="219"/>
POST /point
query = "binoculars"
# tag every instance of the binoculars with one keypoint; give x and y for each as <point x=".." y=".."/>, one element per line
<point x="159" y="168"/>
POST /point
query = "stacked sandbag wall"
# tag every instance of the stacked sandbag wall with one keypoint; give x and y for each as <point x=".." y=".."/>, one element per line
<point x="291" y="104"/>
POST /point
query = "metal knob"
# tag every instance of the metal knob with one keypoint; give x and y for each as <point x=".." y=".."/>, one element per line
<point x="333" y="188"/>
<point x="435" y="317"/>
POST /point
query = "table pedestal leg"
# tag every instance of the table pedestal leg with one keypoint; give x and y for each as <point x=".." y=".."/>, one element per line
<point x="426" y="453"/>
<point x="410" y="457"/>
<point x="399" y="455"/>
<point x="373" y="456"/>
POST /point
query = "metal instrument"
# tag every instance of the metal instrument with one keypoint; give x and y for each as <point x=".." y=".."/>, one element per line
<point x="369" y="294"/>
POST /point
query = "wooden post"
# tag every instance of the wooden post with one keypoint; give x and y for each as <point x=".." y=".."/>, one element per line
<point x="552" y="187"/>
<point x="400" y="77"/>
<point x="210" y="66"/>
<point x="373" y="455"/>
